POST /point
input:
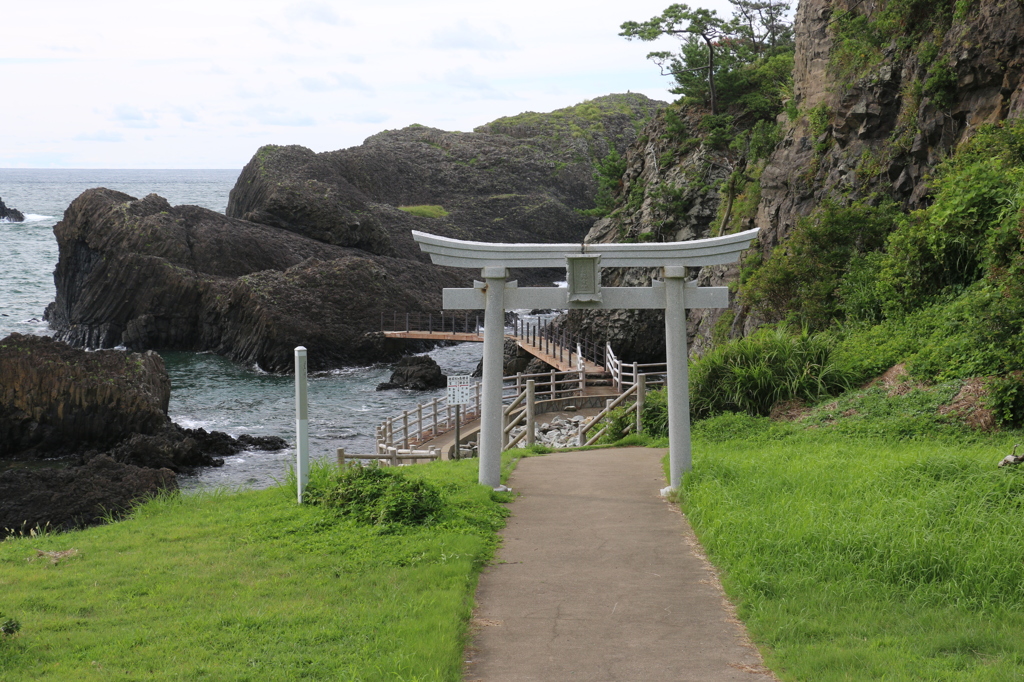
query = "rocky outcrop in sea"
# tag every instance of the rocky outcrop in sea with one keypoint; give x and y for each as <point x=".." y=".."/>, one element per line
<point x="416" y="372"/>
<point x="10" y="215"/>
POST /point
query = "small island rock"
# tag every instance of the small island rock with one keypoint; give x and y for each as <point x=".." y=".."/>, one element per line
<point x="417" y="372"/>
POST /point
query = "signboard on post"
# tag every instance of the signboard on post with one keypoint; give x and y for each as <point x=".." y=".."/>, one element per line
<point x="460" y="390"/>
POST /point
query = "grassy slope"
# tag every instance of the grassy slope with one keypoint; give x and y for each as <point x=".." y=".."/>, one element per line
<point x="250" y="586"/>
<point x="866" y="548"/>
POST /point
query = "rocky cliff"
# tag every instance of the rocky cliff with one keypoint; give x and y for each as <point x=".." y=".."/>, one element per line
<point x="881" y="94"/>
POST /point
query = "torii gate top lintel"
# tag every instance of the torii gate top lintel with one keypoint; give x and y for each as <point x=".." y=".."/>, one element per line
<point x="697" y="252"/>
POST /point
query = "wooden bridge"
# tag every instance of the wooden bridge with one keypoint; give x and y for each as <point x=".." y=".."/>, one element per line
<point x="565" y="352"/>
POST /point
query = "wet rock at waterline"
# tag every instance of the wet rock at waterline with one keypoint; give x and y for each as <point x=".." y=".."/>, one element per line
<point x="416" y="372"/>
<point x="10" y="215"/>
<point x="99" y="419"/>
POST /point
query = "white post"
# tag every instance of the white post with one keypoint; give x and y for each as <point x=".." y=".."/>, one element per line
<point x="301" y="422"/>
<point x="641" y="394"/>
<point x="531" y="412"/>
<point x="679" y="455"/>
<point x="494" y="351"/>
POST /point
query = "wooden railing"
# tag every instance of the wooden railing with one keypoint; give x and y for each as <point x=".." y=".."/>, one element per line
<point x="436" y="417"/>
<point x="455" y="322"/>
<point x="427" y="420"/>
<point x="624" y="375"/>
<point x="637" y="390"/>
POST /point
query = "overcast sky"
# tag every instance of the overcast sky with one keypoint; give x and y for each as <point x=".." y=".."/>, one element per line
<point x="204" y="83"/>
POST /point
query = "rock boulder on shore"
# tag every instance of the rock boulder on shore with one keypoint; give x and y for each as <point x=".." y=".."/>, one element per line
<point x="61" y="499"/>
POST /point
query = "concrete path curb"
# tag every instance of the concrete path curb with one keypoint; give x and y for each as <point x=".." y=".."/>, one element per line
<point x="596" y="581"/>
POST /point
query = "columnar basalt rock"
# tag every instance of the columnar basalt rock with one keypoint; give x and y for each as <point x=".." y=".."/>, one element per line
<point x="55" y="398"/>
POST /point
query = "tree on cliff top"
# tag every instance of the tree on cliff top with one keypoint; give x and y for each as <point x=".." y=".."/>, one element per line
<point x="713" y="47"/>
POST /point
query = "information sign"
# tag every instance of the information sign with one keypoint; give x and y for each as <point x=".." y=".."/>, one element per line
<point x="460" y="390"/>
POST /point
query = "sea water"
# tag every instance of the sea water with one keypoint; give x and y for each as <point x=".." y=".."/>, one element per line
<point x="207" y="390"/>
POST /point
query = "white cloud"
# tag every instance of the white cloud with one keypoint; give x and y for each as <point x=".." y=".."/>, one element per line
<point x="334" y="81"/>
<point x="465" y="36"/>
<point x="209" y="84"/>
<point x="99" y="136"/>
<point x="316" y="12"/>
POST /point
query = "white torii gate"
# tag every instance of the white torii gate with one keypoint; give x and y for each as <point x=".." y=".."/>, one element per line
<point x="583" y="262"/>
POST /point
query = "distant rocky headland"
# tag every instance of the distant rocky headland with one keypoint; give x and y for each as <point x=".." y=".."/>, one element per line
<point x="316" y="247"/>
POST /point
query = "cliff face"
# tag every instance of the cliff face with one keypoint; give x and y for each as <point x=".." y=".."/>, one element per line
<point x="885" y="130"/>
<point x="872" y="113"/>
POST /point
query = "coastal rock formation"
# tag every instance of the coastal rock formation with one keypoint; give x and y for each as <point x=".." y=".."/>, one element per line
<point x="62" y="499"/>
<point x="10" y="215"/>
<point x="315" y="248"/>
<point x="517" y="179"/>
<point x="54" y="398"/>
<point x="141" y="274"/>
<point x="416" y="372"/>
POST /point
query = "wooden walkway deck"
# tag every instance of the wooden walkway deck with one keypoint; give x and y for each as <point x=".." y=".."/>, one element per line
<point x="566" y="363"/>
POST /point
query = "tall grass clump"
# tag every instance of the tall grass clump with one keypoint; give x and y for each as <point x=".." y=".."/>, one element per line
<point x="755" y="373"/>
<point x="375" y="495"/>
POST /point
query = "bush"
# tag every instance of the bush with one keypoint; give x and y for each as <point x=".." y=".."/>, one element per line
<point x="753" y="374"/>
<point x="377" y="496"/>
<point x="801" y="277"/>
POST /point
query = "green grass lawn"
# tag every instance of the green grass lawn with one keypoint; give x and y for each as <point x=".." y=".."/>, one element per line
<point x="853" y="555"/>
<point x="251" y="586"/>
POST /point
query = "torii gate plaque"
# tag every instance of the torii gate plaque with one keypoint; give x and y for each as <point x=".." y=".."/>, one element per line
<point x="583" y="261"/>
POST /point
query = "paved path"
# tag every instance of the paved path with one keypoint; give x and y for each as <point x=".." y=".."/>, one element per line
<point x="601" y="580"/>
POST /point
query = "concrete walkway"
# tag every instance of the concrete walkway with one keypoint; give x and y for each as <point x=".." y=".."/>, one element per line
<point x="599" y="579"/>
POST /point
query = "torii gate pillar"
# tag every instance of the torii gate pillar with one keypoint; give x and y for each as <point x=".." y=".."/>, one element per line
<point x="490" y="396"/>
<point x="679" y="455"/>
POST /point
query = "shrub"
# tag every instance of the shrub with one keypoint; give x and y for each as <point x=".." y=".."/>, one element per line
<point x="753" y="374"/>
<point x="377" y="496"/>
<point x="802" y="275"/>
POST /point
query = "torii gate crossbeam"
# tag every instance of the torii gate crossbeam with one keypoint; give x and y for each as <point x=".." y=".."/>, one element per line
<point x="583" y="261"/>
